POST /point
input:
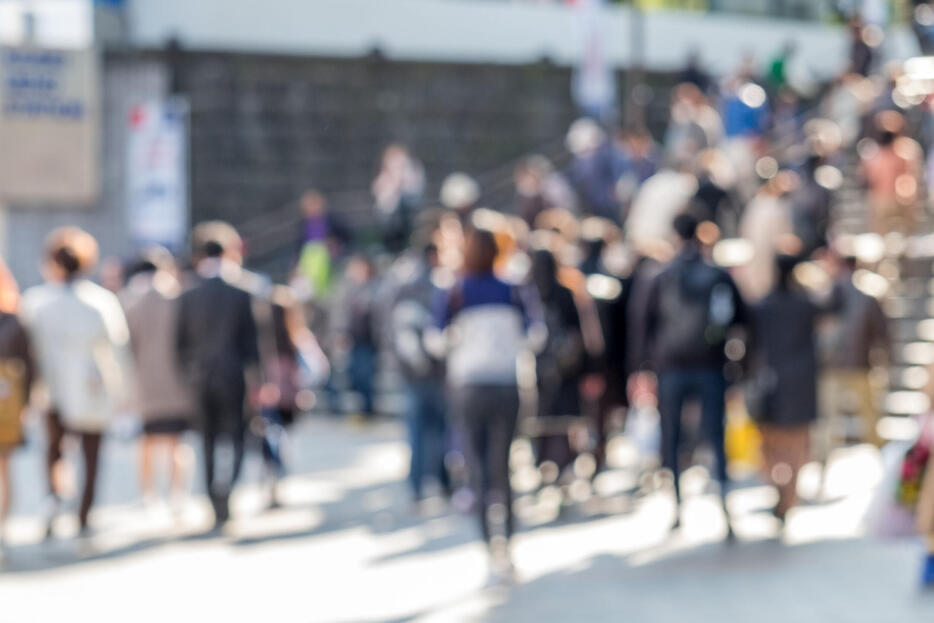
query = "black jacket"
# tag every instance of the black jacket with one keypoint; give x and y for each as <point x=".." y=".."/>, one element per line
<point x="784" y="356"/>
<point x="216" y="334"/>
<point x="691" y="307"/>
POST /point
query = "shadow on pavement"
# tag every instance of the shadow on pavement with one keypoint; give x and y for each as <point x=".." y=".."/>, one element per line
<point x="762" y="581"/>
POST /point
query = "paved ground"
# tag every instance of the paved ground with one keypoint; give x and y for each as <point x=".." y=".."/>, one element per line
<point x="349" y="547"/>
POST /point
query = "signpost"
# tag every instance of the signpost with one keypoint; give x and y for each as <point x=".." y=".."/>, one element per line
<point x="157" y="173"/>
<point x="49" y="126"/>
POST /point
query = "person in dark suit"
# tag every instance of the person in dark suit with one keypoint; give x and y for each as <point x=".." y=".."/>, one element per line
<point x="218" y="351"/>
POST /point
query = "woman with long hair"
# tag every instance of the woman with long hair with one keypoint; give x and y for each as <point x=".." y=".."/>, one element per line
<point x="486" y="321"/>
<point x="16" y="375"/>
<point x="81" y="345"/>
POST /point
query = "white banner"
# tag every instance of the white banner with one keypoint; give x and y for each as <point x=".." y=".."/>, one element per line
<point x="157" y="173"/>
<point x="49" y="125"/>
<point x="594" y="85"/>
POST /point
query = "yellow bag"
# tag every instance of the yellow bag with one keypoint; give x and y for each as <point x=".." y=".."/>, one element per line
<point x="743" y="441"/>
<point x="12" y="401"/>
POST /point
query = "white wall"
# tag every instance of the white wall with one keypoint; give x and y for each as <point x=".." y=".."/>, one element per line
<point x="58" y="23"/>
<point x="473" y="31"/>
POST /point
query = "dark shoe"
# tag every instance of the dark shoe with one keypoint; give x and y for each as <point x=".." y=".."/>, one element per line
<point x="780" y="514"/>
<point x="730" y="534"/>
<point x="221" y="510"/>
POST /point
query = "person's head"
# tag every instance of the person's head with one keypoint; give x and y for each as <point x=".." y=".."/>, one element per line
<point x="530" y="175"/>
<point x="459" y="192"/>
<point x="480" y="252"/>
<point x="151" y="260"/>
<point x="887" y="138"/>
<point x="584" y="137"/>
<point x="314" y="204"/>
<point x="70" y="253"/>
<point x="360" y="269"/>
<point x="216" y="240"/>
<point x="685" y="226"/>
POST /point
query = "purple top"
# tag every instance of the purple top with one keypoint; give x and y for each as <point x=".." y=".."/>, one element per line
<point x="316" y="229"/>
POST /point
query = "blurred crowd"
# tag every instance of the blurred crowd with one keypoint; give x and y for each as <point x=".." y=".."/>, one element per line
<point x="672" y="287"/>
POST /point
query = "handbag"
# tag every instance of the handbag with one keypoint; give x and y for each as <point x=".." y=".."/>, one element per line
<point x="914" y="466"/>
<point x="12" y="400"/>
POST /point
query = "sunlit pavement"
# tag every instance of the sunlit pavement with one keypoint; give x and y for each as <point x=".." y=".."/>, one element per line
<point x="349" y="546"/>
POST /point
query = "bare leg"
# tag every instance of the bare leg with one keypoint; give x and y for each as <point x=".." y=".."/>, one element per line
<point x="147" y="456"/>
<point x="181" y="459"/>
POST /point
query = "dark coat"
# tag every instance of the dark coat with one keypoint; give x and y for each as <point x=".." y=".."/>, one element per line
<point x="691" y="307"/>
<point x="860" y="327"/>
<point x="638" y="287"/>
<point x="785" y="357"/>
<point x="562" y="364"/>
<point x="216" y="334"/>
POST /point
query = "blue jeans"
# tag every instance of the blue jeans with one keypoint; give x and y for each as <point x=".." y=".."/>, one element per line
<point x="677" y="386"/>
<point x="428" y="430"/>
<point x="362" y="371"/>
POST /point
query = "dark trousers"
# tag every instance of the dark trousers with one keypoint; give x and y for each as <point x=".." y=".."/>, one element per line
<point x="362" y="372"/>
<point x="222" y="417"/>
<point x="427" y="427"/>
<point x="90" y="450"/>
<point x="677" y="386"/>
<point x="488" y="416"/>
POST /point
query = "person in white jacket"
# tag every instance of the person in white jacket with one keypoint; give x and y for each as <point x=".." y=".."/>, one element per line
<point x="80" y="339"/>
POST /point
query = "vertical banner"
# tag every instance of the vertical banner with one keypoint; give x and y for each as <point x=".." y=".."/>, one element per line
<point x="157" y="172"/>
<point x="49" y="126"/>
<point x="594" y="85"/>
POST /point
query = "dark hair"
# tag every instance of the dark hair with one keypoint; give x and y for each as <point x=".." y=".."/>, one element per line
<point x="150" y="260"/>
<point x="215" y="239"/>
<point x="72" y="250"/>
<point x="66" y="259"/>
<point x="685" y="225"/>
<point x="887" y="137"/>
<point x="211" y="248"/>
<point x="140" y="267"/>
<point x="481" y="251"/>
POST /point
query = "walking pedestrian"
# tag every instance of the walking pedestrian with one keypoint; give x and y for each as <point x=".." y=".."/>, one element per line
<point x="561" y="364"/>
<point x="80" y="338"/>
<point x="16" y="375"/>
<point x="423" y="372"/>
<point x="487" y="320"/>
<point x="151" y="301"/>
<point x="857" y="338"/>
<point x="785" y="380"/>
<point x="691" y="308"/>
<point x="218" y="352"/>
<point x="359" y="331"/>
<point x="286" y="343"/>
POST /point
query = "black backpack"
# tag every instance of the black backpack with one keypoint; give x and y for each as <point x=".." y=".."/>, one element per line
<point x="698" y="307"/>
